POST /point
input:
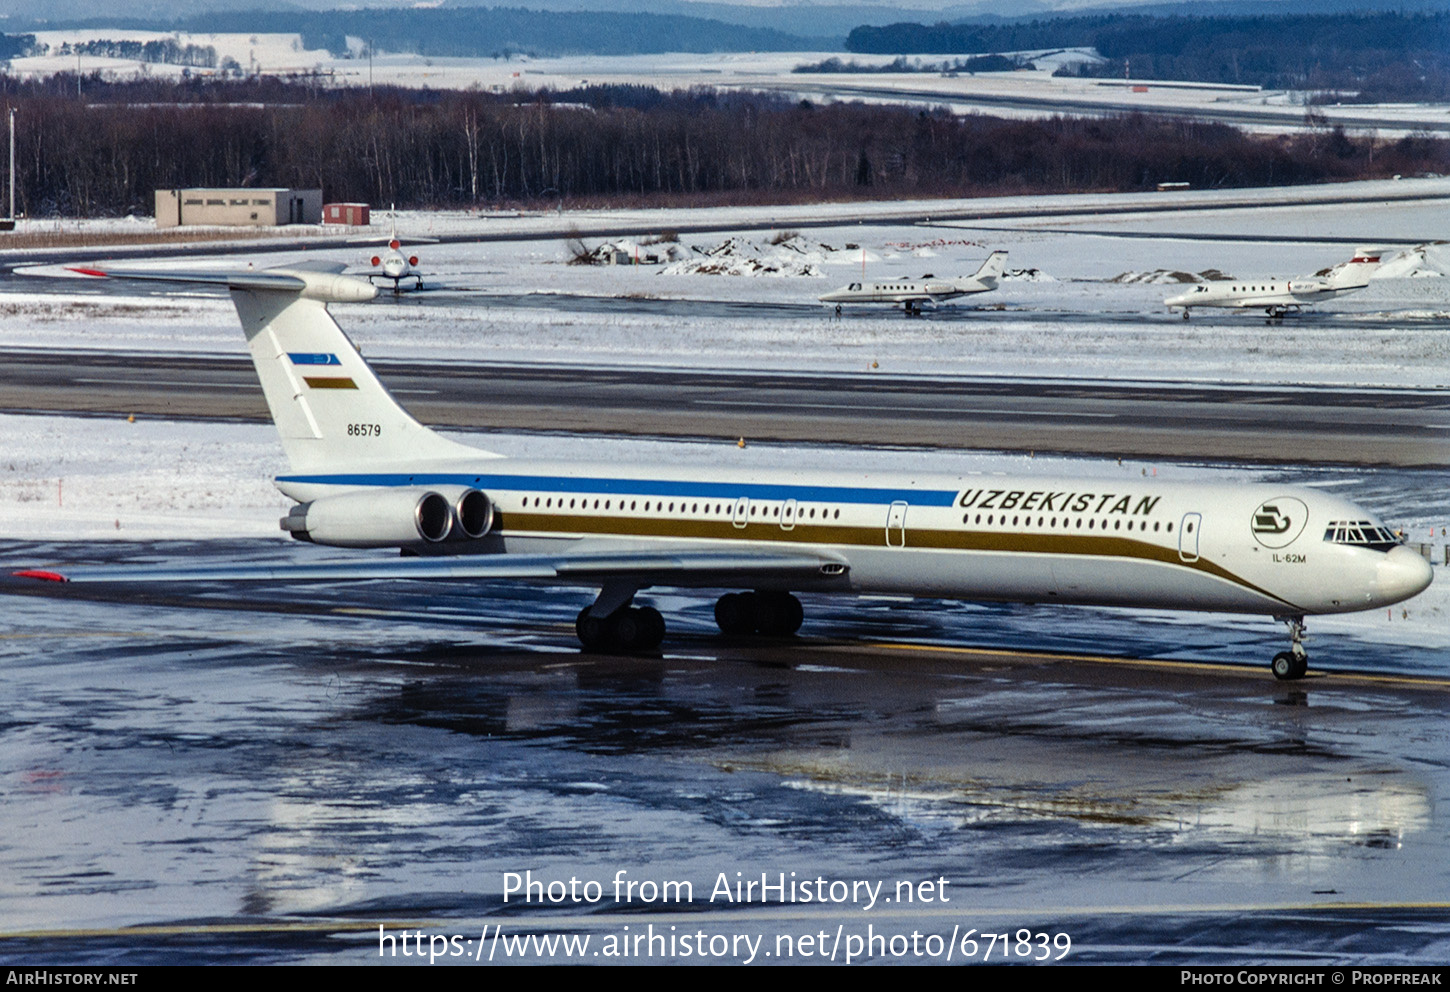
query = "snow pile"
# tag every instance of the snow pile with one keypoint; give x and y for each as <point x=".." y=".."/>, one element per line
<point x="1165" y="277"/>
<point x="738" y="256"/>
<point x="1422" y="261"/>
<point x="630" y="253"/>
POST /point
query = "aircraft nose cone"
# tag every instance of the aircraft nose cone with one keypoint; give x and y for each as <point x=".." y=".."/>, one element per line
<point x="1402" y="574"/>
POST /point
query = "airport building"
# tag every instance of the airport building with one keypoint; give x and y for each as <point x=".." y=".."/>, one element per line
<point x="238" y="207"/>
<point x="355" y="214"/>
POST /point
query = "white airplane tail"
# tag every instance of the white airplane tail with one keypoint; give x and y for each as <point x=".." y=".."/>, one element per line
<point x="991" y="270"/>
<point x="330" y="409"/>
<point x="1355" y="273"/>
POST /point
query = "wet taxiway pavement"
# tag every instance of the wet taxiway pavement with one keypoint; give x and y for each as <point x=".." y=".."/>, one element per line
<point x="208" y="777"/>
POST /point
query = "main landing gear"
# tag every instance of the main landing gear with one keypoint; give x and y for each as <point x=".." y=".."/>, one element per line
<point x="1292" y="664"/>
<point x="629" y="628"/>
<point x="774" y="614"/>
<point x="613" y="624"/>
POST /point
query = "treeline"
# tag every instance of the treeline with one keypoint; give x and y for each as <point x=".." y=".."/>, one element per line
<point x="1391" y="55"/>
<point x="14" y="46"/>
<point x="106" y="153"/>
<point x="165" y="51"/>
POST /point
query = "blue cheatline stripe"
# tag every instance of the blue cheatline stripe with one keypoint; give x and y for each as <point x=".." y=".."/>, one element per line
<point x="312" y="358"/>
<point x="637" y="487"/>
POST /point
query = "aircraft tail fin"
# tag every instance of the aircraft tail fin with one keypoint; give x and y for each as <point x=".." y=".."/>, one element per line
<point x="329" y="407"/>
<point x="991" y="270"/>
<point x="1355" y="273"/>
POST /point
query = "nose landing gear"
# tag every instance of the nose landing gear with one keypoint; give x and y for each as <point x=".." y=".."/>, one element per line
<point x="1292" y="664"/>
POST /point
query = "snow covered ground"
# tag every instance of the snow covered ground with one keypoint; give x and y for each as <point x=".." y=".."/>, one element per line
<point x="1084" y="296"/>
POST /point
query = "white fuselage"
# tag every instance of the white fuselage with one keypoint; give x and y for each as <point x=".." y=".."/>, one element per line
<point x="1261" y="294"/>
<point x="1264" y="549"/>
<point x="395" y="266"/>
<point x="899" y="291"/>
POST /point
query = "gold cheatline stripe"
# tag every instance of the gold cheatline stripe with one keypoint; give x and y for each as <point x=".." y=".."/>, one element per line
<point x="873" y="537"/>
<point x="329" y="382"/>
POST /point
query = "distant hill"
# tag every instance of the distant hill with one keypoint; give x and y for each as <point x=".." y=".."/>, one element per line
<point x="1381" y="56"/>
<point x="476" y="32"/>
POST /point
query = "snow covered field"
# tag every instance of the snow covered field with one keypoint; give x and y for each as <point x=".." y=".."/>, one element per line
<point x="1083" y="298"/>
<point x="1039" y="92"/>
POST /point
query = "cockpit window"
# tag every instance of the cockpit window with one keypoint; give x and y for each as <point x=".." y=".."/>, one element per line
<point x="1361" y="534"/>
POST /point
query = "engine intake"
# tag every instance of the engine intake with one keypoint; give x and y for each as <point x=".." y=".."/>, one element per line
<point x="473" y="514"/>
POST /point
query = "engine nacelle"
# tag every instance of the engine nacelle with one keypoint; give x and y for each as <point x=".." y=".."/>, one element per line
<point x="391" y="518"/>
<point x="381" y="518"/>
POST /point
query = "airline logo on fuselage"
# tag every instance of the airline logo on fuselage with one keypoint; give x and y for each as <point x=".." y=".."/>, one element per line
<point x="1276" y="523"/>
<point x="1047" y="501"/>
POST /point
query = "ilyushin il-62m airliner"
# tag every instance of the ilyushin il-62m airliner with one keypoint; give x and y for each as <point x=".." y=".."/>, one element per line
<point x="365" y="474"/>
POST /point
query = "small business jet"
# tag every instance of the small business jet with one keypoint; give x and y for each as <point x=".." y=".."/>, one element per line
<point x="912" y="295"/>
<point x="1276" y="297"/>
<point x="393" y="265"/>
<point x="365" y="474"/>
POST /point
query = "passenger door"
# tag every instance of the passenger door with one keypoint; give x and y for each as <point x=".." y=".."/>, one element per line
<point x="896" y="525"/>
<point x="1188" y="531"/>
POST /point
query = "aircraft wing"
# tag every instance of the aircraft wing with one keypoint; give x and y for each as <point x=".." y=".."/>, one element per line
<point x="232" y="280"/>
<point x="384" y="239"/>
<point x="675" y="566"/>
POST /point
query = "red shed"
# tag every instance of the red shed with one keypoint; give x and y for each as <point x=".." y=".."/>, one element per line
<point x="356" y="214"/>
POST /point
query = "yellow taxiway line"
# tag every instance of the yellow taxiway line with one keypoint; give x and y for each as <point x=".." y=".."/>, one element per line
<point x="1164" y="663"/>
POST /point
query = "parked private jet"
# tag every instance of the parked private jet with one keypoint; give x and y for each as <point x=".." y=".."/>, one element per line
<point x="365" y="474"/>
<point x="1277" y="297"/>
<point x="392" y="264"/>
<point x="911" y="295"/>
